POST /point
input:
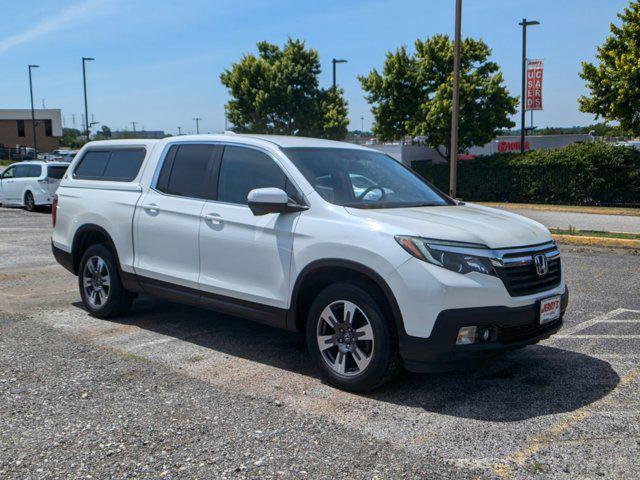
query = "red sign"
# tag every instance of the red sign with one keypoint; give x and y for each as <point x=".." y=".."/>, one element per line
<point x="534" y="84"/>
<point x="506" y="146"/>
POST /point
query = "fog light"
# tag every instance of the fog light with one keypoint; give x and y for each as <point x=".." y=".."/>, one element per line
<point x="466" y="336"/>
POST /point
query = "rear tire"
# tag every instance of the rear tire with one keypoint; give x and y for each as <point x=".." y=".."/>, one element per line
<point x="29" y="202"/>
<point x="100" y="285"/>
<point x="350" y="340"/>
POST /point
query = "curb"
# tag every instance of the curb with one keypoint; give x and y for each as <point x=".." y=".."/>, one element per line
<point x="597" y="241"/>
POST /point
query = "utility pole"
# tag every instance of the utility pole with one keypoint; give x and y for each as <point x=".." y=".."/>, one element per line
<point x="453" y="149"/>
<point x="525" y="23"/>
<point x="179" y="130"/>
<point x="133" y="124"/>
<point x="33" y="114"/>
<point x="334" y="61"/>
<point x="84" y="82"/>
<point x="362" y="124"/>
<point x="197" y="120"/>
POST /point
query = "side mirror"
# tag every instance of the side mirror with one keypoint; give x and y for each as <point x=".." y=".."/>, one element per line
<point x="271" y="200"/>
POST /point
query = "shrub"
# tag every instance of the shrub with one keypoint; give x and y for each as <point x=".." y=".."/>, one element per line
<point x="594" y="173"/>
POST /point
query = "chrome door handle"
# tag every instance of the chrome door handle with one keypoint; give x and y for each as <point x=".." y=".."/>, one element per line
<point x="213" y="218"/>
<point x="152" y="208"/>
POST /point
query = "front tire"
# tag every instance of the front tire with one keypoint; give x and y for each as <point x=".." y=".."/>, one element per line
<point x="100" y="286"/>
<point x="350" y="340"/>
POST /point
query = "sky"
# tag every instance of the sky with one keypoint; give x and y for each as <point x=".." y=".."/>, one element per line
<point x="158" y="62"/>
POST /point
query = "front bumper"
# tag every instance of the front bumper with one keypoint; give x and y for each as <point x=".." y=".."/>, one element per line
<point x="517" y="327"/>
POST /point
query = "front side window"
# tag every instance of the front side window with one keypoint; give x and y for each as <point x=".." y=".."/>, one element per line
<point x="245" y="169"/>
<point x="9" y="173"/>
<point x="363" y="179"/>
<point x="186" y="171"/>
<point x="118" y="165"/>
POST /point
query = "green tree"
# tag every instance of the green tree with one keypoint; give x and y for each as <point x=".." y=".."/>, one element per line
<point x="70" y="138"/>
<point x="615" y="82"/>
<point x="413" y="94"/>
<point x="277" y="92"/>
<point x="103" y="134"/>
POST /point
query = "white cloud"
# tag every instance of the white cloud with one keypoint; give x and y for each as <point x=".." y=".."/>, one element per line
<point x="64" y="19"/>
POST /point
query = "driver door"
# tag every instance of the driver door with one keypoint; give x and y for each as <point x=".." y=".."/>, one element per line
<point x="8" y="186"/>
<point x="244" y="256"/>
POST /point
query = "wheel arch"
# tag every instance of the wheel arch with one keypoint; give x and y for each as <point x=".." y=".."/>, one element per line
<point x="87" y="235"/>
<point x="321" y="273"/>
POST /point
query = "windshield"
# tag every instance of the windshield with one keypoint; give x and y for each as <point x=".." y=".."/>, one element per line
<point x="363" y="179"/>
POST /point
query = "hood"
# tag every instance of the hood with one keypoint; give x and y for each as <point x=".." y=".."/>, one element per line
<point x="463" y="223"/>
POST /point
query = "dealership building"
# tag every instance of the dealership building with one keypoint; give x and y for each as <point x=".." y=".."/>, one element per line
<point x="16" y="128"/>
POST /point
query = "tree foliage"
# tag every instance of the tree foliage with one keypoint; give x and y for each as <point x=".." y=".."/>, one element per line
<point x="615" y="82"/>
<point x="277" y="92"/>
<point x="413" y="94"/>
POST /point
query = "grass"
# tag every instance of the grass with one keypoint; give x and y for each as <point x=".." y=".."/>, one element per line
<point x="593" y="238"/>
<point x="594" y="233"/>
<point x="5" y="163"/>
<point x="565" y="208"/>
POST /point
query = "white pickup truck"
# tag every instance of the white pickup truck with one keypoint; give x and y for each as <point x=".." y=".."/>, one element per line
<point x="378" y="268"/>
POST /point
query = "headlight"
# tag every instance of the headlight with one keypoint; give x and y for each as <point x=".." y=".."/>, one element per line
<point x="458" y="257"/>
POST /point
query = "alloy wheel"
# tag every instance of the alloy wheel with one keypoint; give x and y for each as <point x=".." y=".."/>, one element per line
<point x="96" y="281"/>
<point x="345" y="338"/>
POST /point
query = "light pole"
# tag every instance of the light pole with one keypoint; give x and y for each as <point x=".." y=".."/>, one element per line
<point x="33" y="114"/>
<point x="524" y="23"/>
<point x="84" y="81"/>
<point x="179" y="130"/>
<point x="133" y="124"/>
<point x="453" y="150"/>
<point x="334" y="61"/>
<point x="197" y="120"/>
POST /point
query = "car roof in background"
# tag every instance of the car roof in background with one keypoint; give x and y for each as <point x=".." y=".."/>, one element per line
<point x="281" y="141"/>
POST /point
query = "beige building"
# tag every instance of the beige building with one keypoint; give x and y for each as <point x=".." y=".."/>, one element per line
<point x="16" y="128"/>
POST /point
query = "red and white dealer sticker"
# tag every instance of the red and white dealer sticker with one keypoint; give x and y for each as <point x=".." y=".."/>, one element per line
<point x="549" y="309"/>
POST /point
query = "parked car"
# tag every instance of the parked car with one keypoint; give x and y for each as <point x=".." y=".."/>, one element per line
<point x="31" y="184"/>
<point x="64" y="155"/>
<point x="274" y="229"/>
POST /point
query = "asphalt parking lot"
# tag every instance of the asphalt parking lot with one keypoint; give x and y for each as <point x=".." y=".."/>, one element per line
<point x="176" y="392"/>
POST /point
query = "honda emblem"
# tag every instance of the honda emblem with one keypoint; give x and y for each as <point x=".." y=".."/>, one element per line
<point x="542" y="267"/>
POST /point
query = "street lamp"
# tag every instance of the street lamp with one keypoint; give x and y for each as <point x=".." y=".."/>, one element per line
<point x="453" y="149"/>
<point x="33" y="115"/>
<point x="334" y="61"/>
<point x="84" y="81"/>
<point x="197" y="120"/>
<point x="524" y="23"/>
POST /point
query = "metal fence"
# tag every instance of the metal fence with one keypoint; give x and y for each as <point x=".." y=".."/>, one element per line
<point x="17" y="154"/>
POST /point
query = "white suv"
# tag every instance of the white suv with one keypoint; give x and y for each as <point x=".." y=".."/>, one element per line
<point x="31" y="184"/>
<point x="379" y="268"/>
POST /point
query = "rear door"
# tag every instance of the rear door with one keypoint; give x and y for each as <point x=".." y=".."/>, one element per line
<point x="242" y="255"/>
<point x="167" y="218"/>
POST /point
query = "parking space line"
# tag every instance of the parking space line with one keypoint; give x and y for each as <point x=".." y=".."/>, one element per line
<point x="588" y="323"/>
<point x="609" y="337"/>
<point x="505" y="468"/>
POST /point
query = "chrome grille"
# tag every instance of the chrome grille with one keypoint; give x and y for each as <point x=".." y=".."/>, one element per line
<point x="518" y="272"/>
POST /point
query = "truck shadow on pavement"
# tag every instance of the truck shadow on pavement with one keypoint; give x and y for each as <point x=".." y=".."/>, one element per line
<point x="532" y="382"/>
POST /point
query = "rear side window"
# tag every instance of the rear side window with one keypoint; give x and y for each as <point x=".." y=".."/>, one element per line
<point x="119" y="165"/>
<point x="186" y="171"/>
<point x="56" y="172"/>
<point x="244" y="169"/>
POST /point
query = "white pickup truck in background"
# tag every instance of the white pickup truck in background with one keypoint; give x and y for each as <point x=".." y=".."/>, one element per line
<point x="379" y="268"/>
